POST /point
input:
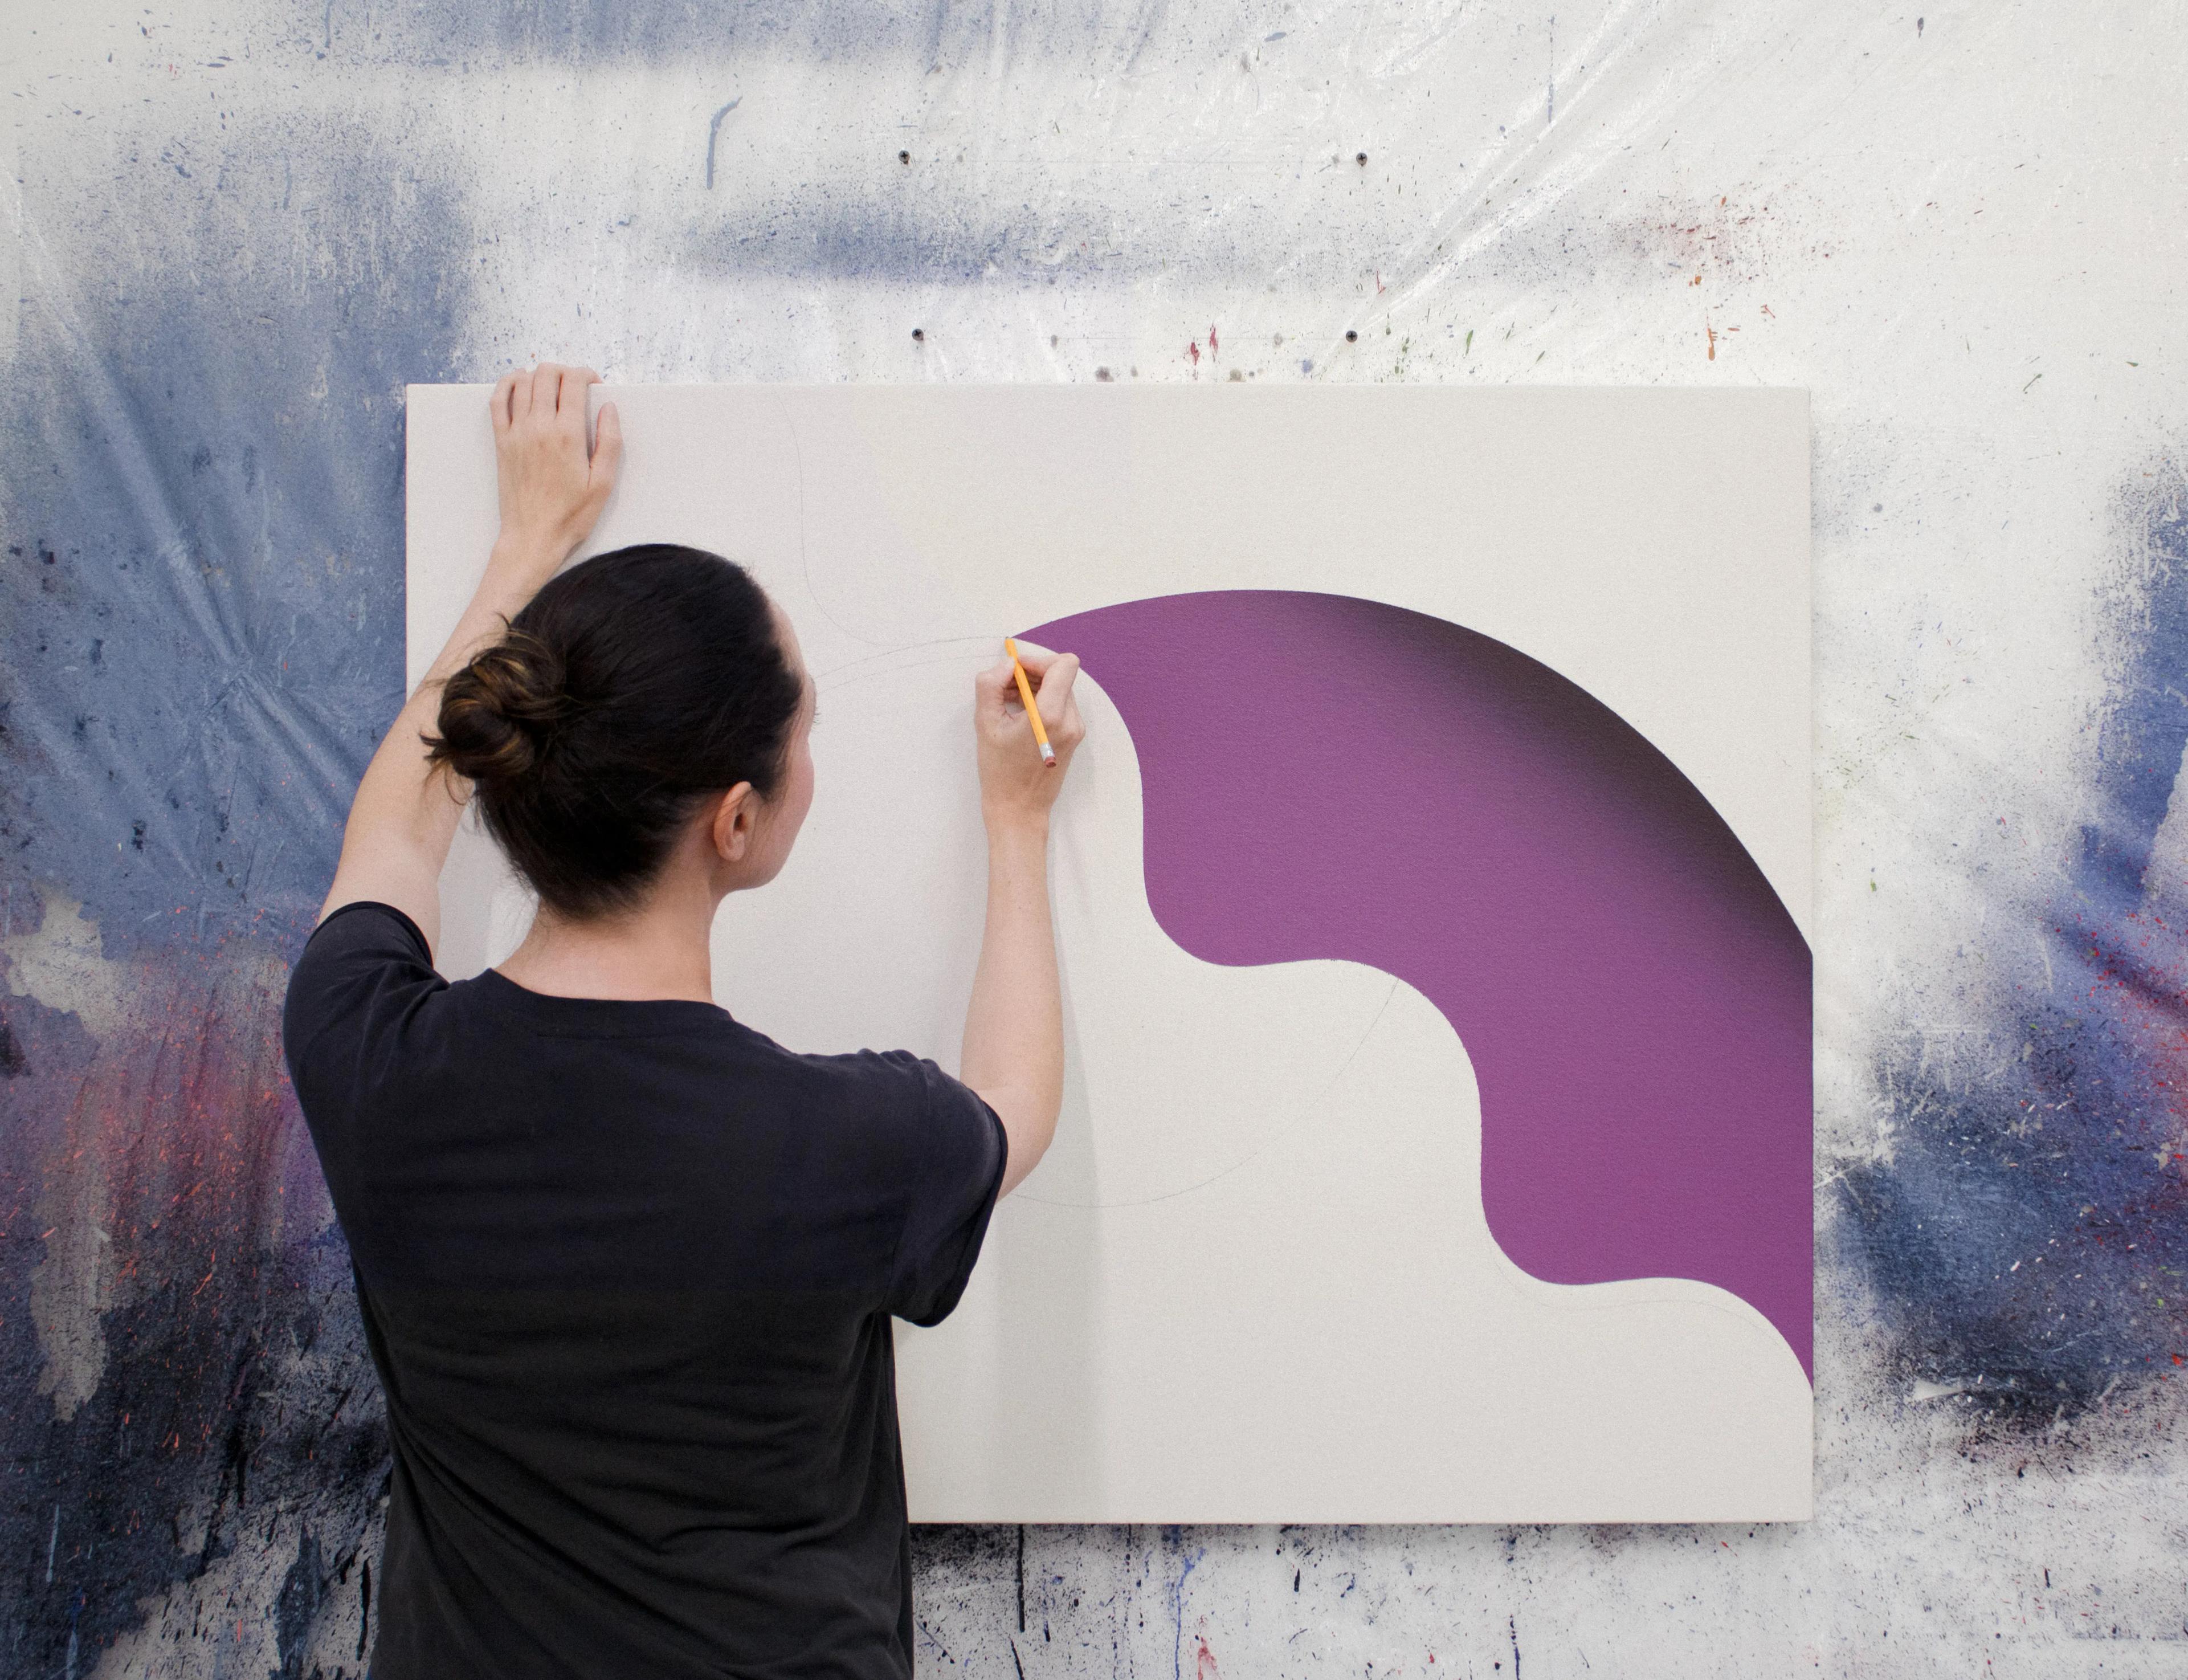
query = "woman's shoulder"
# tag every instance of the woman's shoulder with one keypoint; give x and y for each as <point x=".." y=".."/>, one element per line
<point x="362" y="954"/>
<point x="897" y="1093"/>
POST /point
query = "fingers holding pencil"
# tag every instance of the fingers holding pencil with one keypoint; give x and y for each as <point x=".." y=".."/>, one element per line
<point x="1016" y="775"/>
<point x="1030" y="706"/>
<point x="1054" y="677"/>
<point x="1056" y="710"/>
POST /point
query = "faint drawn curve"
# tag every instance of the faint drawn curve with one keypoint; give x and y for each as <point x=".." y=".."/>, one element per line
<point x="804" y="559"/>
<point x="1269" y="1141"/>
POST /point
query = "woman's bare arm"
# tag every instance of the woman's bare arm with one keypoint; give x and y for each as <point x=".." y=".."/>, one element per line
<point x="552" y="490"/>
<point x="1013" y="1053"/>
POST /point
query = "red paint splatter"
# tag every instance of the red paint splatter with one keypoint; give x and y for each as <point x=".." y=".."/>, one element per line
<point x="1204" y="1663"/>
<point x="1192" y="349"/>
<point x="1211" y="339"/>
<point x="178" y="1142"/>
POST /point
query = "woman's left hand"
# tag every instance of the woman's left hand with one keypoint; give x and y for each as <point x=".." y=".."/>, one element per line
<point x="553" y="486"/>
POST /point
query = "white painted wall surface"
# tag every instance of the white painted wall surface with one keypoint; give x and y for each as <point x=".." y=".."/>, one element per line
<point x="1961" y="226"/>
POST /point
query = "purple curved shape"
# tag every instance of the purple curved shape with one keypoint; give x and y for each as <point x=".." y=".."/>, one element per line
<point x="1330" y="777"/>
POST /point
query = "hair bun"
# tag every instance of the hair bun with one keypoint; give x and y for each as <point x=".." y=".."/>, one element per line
<point x="498" y="713"/>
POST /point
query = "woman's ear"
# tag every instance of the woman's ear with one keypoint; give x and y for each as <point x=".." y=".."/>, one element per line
<point x="734" y="819"/>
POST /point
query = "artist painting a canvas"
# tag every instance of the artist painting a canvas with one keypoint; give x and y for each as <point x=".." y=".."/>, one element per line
<point x="1430" y="896"/>
<point x="1392" y="1013"/>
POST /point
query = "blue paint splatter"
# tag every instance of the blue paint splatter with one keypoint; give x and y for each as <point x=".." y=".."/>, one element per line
<point x="202" y="626"/>
<point x="2028" y="1237"/>
<point x="930" y="36"/>
<point x="200" y="639"/>
<point x="1171" y="1541"/>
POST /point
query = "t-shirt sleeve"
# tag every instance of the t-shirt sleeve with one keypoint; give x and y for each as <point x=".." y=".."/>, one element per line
<point x="954" y="1161"/>
<point x="364" y="972"/>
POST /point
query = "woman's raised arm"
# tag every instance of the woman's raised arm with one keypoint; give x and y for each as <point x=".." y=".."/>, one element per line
<point x="1013" y="1054"/>
<point x="553" y="486"/>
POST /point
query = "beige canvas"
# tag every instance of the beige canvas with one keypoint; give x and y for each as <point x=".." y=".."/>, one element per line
<point x="1253" y="1281"/>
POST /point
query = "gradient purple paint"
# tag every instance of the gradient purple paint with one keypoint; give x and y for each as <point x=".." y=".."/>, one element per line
<point x="1335" y="778"/>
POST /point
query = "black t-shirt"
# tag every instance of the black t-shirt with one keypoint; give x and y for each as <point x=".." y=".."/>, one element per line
<point x="627" y="1272"/>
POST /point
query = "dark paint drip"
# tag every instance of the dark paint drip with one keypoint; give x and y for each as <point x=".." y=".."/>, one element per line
<point x="2029" y="1236"/>
<point x="201" y="638"/>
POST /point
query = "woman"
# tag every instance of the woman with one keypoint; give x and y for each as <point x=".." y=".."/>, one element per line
<point x="626" y="1266"/>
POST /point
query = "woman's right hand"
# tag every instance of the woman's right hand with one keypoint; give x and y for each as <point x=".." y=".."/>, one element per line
<point x="1016" y="785"/>
<point x="1013" y="1053"/>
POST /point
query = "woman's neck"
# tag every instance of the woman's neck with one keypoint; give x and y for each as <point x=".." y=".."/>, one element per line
<point x="659" y="951"/>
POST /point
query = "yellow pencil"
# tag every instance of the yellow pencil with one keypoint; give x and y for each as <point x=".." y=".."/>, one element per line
<point x="1033" y="712"/>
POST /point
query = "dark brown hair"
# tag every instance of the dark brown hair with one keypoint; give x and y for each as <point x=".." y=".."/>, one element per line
<point x="624" y="692"/>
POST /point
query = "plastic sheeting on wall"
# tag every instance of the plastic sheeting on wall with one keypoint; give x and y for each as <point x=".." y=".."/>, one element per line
<point x="236" y="233"/>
